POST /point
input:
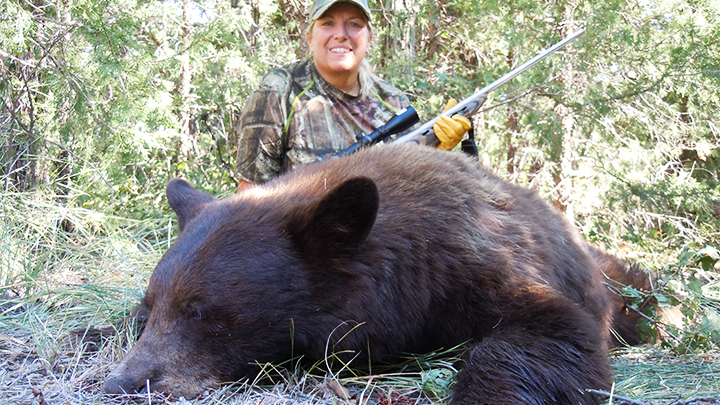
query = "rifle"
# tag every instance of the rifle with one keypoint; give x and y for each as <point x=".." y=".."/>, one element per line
<point x="403" y="119"/>
<point x="425" y="135"/>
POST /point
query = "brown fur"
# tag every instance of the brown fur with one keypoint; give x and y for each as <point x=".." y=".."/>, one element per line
<point x="619" y="274"/>
<point x="422" y="249"/>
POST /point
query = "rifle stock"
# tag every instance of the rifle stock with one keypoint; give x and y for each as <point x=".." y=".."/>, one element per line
<point x="426" y="136"/>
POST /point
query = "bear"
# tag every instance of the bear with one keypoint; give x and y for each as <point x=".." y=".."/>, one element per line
<point x="626" y="314"/>
<point x="394" y="249"/>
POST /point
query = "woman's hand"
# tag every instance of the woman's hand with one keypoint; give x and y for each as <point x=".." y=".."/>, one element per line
<point x="450" y="130"/>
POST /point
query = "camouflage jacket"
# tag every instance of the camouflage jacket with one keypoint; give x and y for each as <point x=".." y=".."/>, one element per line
<point x="295" y="116"/>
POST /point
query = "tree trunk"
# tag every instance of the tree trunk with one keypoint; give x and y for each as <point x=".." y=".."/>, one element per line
<point x="291" y="10"/>
<point x="433" y="45"/>
<point x="512" y="128"/>
<point x="255" y="10"/>
<point x="564" y="181"/>
<point x="17" y="155"/>
<point x="185" y="143"/>
<point x="386" y="41"/>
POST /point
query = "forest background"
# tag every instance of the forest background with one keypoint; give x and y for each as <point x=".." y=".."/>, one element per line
<point x="102" y="102"/>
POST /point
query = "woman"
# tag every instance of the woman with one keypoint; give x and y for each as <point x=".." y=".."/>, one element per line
<point x="316" y="107"/>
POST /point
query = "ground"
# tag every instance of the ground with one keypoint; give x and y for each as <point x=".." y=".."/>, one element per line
<point x="646" y="375"/>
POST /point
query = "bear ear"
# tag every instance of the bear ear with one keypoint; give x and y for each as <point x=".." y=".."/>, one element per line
<point x="186" y="201"/>
<point x="341" y="220"/>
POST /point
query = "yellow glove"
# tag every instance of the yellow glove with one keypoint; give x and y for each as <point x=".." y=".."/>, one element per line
<point x="449" y="130"/>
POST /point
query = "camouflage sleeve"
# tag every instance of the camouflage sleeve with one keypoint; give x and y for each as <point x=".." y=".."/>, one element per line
<point x="261" y="149"/>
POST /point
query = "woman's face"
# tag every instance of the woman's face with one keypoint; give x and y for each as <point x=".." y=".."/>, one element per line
<point x="339" y="40"/>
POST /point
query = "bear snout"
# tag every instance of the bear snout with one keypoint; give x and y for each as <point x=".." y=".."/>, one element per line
<point x="150" y="368"/>
<point x="123" y="384"/>
<point x="132" y="375"/>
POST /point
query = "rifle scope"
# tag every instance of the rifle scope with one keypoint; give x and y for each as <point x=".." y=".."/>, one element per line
<point x="403" y="119"/>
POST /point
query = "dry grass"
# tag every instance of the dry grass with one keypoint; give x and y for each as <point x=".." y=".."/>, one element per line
<point x="62" y="268"/>
<point x="74" y="376"/>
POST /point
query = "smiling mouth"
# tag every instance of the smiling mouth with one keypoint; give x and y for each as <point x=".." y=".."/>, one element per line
<point x="340" y="50"/>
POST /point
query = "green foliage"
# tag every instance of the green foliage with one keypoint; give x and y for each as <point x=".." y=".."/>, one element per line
<point x="619" y="129"/>
<point x="437" y="382"/>
<point x="686" y="302"/>
<point x="92" y="106"/>
<point x="695" y="289"/>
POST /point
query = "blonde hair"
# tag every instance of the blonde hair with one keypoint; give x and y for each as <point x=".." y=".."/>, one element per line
<point x="365" y="71"/>
<point x="365" y="74"/>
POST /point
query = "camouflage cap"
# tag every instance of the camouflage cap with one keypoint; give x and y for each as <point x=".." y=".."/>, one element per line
<point x="319" y="7"/>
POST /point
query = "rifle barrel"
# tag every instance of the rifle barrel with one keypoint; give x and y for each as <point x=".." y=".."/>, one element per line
<point x="525" y="66"/>
<point x="468" y="107"/>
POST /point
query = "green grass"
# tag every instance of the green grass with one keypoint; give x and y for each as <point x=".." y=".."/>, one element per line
<point x="67" y="268"/>
<point x="655" y="376"/>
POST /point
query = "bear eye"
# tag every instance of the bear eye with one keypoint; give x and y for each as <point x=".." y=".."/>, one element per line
<point x="196" y="311"/>
<point x="200" y="314"/>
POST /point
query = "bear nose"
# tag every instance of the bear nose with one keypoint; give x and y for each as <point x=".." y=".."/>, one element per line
<point x="122" y="384"/>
